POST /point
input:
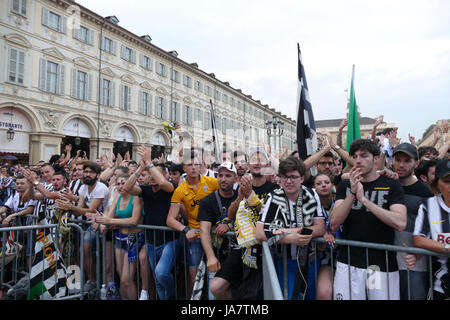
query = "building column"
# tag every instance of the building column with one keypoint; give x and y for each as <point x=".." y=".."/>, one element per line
<point x="43" y="146"/>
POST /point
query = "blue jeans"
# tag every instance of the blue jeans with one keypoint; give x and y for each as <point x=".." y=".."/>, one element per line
<point x="419" y="284"/>
<point x="162" y="259"/>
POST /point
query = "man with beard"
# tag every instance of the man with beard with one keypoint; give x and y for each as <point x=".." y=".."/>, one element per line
<point x="405" y="160"/>
<point x="241" y="164"/>
<point x="212" y="214"/>
<point x="370" y="207"/>
<point x="93" y="197"/>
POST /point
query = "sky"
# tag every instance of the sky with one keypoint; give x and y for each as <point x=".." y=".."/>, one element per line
<point x="400" y="49"/>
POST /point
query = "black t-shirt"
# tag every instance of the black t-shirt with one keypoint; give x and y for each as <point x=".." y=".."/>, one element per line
<point x="209" y="210"/>
<point x="265" y="189"/>
<point x="415" y="195"/>
<point x="156" y="208"/>
<point x="363" y="225"/>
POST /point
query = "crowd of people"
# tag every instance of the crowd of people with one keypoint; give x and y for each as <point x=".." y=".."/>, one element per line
<point x="380" y="191"/>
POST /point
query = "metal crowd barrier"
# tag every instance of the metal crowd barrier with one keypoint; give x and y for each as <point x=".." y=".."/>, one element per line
<point x="103" y="263"/>
<point x="274" y="287"/>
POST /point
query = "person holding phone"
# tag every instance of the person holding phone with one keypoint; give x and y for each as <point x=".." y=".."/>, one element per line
<point x="292" y="216"/>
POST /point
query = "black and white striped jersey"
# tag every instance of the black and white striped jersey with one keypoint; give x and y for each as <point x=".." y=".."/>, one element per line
<point x="433" y="221"/>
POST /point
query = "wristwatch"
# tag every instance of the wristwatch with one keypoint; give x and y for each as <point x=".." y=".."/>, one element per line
<point x="185" y="230"/>
<point x="35" y="183"/>
<point x="446" y="247"/>
<point x="336" y="147"/>
<point x="151" y="165"/>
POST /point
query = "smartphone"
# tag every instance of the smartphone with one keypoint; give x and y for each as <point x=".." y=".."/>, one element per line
<point x="306" y="231"/>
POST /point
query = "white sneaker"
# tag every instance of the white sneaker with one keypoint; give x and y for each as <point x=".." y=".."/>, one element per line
<point x="144" y="295"/>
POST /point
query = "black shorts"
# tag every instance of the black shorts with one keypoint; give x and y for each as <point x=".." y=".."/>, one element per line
<point x="231" y="268"/>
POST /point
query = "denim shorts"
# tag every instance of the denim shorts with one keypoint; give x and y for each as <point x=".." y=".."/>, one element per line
<point x="135" y="242"/>
<point x="195" y="253"/>
<point x="121" y="240"/>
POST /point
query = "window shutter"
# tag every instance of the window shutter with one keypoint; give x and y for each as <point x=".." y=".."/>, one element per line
<point x="150" y="104"/>
<point x="75" y="33"/>
<point x="122" y="51"/>
<point x="112" y="92"/>
<point x="114" y="47"/>
<point x="164" y="69"/>
<point x="129" y="99"/>
<point x="89" y="87"/>
<point x="21" y="67"/>
<point x="73" y="84"/>
<point x="45" y="16"/>
<point x="10" y="63"/>
<point x="141" y="60"/>
<point x="102" y="43"/>
<point x="133" y="56"/>
<point x="164" y="109"/>
<point x="62" y="79"/>
<point x="121" y="96"/>
<point x="185" y="116"/>
<point x="63" y="25"/>
<point x="100" y="91"/>
<point x="91" y="37"/>
<point x="42" y="74"/>
<point x="141" y="102"/>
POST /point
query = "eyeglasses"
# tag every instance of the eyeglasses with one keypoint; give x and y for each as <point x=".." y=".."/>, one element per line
<point x="292" y="178"/>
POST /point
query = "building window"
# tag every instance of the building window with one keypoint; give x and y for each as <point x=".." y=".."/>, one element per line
<point x="161" y="108"/>
<point x="53" y="20"/>
<point x="208" y="91"/>
<point x="81" y="85"/>
<point x="83" y="34"/>
<point x="161" y="69"/>
<point x="19" y="6"/>
<point x="175" y="75"/>
<point x="216" y="95"/>
<point x="175" y="112"/>
<point x="187" y="81"/>
<point x="146" y="62"/>
<point x="108" y="45"/>
<point x="125" y="97"/>
<point x="198" y="86"/>
<point x="207" y="121"/>
<point x="232" y="102"/>
<point x="187" y="115"/>
<point x="198" y="118"/>
<point x="107" y="93"/>
<point x="16" y="66"/>
<point x="145" y="103"/>
<point x="224" y="98"/>
<point x="128" y="54"/>
<point x="51" y="77"/>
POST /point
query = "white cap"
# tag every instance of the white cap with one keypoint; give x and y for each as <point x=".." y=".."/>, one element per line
<point x="229" y="166"/>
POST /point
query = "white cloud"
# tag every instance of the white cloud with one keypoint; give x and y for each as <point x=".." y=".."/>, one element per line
<point x="401" y="50"/>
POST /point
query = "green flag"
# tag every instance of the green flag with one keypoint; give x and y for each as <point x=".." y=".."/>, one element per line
<point x="353" y="132"/>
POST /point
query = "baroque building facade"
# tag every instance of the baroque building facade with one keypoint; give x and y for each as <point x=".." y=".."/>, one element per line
<point x="70" y="75"/>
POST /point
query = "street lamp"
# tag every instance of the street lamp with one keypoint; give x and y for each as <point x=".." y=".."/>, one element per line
<point x="10" y="134"/>
<point x="275" y="124"/>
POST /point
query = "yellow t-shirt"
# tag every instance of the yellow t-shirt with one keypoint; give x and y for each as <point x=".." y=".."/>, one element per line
<point x="191" y="197"/>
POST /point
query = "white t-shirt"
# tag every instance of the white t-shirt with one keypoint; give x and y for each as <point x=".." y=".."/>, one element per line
<point x="100" y="191"/>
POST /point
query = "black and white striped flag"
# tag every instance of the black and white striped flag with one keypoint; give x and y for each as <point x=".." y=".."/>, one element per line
<point x="306" y="127"/>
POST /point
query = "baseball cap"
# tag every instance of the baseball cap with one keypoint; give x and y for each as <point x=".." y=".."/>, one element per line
<point x="442" y="168"/>
<point x="229" y="166"/>
<point x="259" y="150"/>
<point x="407" y="148"/>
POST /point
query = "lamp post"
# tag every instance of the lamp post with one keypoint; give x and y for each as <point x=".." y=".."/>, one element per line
<point x="10" y="133"/>
<point x="278" y="129"/>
